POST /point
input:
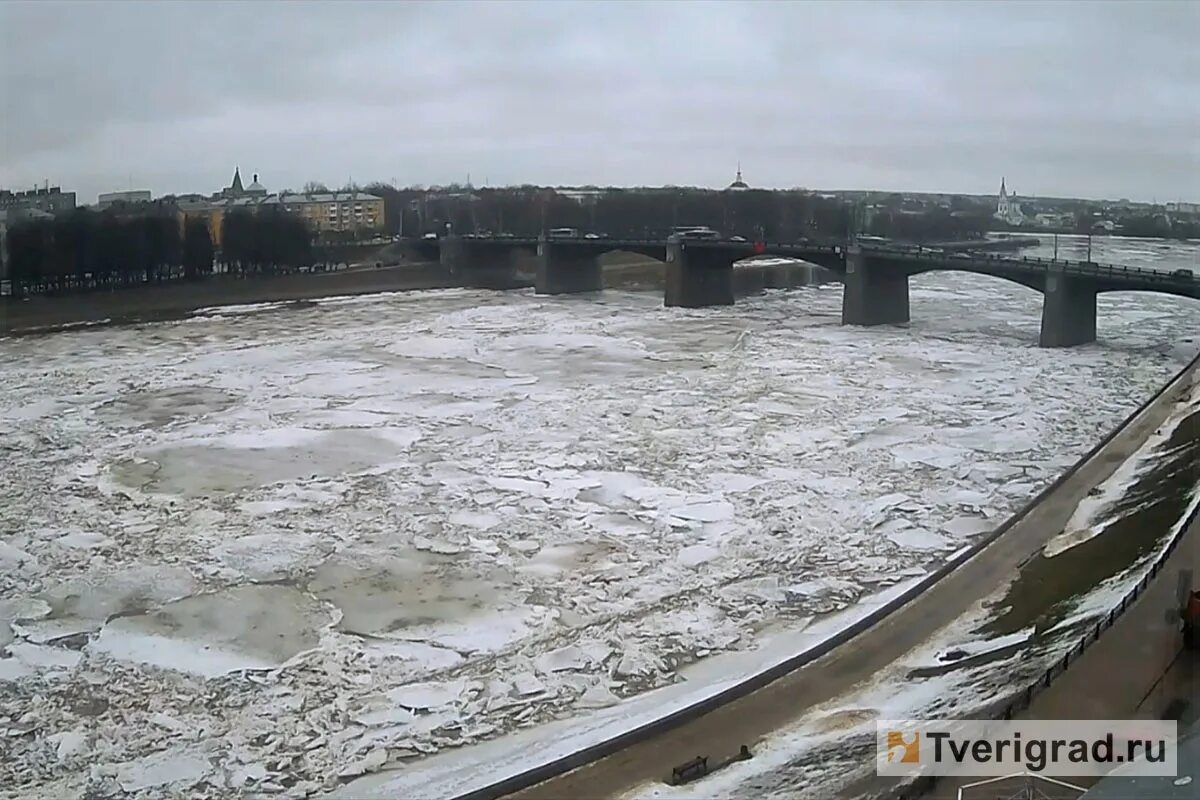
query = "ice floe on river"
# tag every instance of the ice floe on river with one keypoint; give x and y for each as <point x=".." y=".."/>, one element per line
<point x="273" y="552"/>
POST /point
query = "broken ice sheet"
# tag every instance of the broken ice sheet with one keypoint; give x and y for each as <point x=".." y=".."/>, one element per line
<point x="527" y="684"/>
<point x="178" y="767"/>
<point x="597" y="696"/>
<point x="427" y="695"/>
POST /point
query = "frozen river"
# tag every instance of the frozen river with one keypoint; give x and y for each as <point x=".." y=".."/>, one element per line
<point x="271" y="548"/>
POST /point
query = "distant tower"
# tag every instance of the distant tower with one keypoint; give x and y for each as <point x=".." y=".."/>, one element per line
<point x="1007" y="206"/>
<point x="738" y="184"/>
<point x="234" y="189"/>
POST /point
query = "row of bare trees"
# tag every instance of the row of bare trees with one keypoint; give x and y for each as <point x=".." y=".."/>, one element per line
<point x="84" y="250"/>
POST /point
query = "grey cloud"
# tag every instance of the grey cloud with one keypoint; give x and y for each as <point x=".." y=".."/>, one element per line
<point x="1097" y="99"/>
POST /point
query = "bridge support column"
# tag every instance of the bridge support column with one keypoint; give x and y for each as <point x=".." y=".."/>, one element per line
<point x="873" y="295"/>
<point x="477" y="267"/>
<point x="452" y="255"/>
<point x="696" y="278"/>
<point x="560" y="271"/>
<point x="1068" y="311"/>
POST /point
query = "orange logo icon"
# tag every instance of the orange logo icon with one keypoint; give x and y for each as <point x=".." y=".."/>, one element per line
<point x="902" y="749"/>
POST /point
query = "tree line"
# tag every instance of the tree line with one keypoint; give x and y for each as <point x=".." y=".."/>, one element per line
<point x="87" y="250"/>
<point x="642" y="212"/>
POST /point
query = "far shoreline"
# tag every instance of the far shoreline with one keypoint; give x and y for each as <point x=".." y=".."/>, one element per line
<point x="157" y="302"/>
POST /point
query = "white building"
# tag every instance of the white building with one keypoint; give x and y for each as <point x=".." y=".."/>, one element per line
<point x="1007" y="207"/>
<point x="131" y="196"/>
<point x="1053" y="219"/>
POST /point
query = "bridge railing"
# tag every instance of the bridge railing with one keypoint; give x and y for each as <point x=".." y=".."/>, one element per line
<point x="1089" y="268"/>
<point x="798" y="249"/>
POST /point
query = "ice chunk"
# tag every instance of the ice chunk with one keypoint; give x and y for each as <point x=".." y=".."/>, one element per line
<point x="764" y="588"/>
<point x="616" y="523"/>
<point x="47" y="631"/>
<point x="374" y="717"/>
<point x="697" y="554"/>
<point x="597" y="696"/>
<point x="371" y="762"/>
<point x="432" y="694"/>
<point x="23" y="608"/>
<point x="966" y="526"/>
<point x="440" y="546"/>
<point x="919" y="539"/>
<point x="178" y="767"/>
<point x="562" y="659"/>
<point x="522" y="485"/>
<point x="883" y="503"/>
<point x="81" y="540"/>
<point x="480" y="520"/>
<point x="820" y="586"/>
<point x="486" y="546"/>
<point x="12" y="669"/>
<point x="14" y="561"/>
<point x="932" y="455"/>
<point x="42" y="657"/>
<point x="68" y="743"/>
<point x="714" y="511"/>
<point x="527" y="684"/>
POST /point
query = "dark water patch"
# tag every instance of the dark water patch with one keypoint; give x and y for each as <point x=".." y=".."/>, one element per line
<point x="1047" y="588"/>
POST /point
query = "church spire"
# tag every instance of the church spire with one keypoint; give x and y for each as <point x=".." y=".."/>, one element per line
<point x="1003" y="191"/>
<point x="237" y="180"/>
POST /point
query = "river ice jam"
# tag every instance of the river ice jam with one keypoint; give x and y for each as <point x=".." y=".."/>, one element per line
<point x="306" y="542"/>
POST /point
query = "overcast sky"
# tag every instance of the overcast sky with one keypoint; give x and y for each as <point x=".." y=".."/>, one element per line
<point x="1079" y="99"/>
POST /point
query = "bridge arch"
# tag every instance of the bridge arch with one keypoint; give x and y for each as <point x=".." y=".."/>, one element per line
<point x="1036" y="283"/>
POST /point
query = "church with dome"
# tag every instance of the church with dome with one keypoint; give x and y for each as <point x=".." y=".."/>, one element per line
<point x="738" y="184"/>
<point x="235" y="190"/>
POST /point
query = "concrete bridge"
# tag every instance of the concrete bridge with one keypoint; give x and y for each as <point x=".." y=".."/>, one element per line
<point x="700" y="273"/>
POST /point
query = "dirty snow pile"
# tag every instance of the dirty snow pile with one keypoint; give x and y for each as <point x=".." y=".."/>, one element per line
<point x="271" y="550"/>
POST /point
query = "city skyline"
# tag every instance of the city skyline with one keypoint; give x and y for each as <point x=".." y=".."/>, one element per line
<point x="819" y="95"/>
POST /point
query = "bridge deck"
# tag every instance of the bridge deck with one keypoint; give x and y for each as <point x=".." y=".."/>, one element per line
<point x="1181" y="282"/>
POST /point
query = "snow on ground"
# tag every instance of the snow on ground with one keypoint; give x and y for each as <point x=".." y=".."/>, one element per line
<point x="272" y="551"/>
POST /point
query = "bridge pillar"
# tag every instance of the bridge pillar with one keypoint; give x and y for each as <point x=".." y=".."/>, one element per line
<point x="562" y="269"/>
<point x="873" y="295"/>
<point x="452" y="255"/>
<point x="696" y="278"/>
<point x="1068" y="310"/>
<point x="476" y="266"/>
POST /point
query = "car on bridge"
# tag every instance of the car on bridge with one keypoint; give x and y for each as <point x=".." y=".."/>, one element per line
<point x="1184" y="273"/>
<point x="695" y="232"/>
<point x="563" y="233"/>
